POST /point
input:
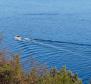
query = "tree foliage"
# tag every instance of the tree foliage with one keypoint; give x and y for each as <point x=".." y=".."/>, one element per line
<point x="11" y="72"/>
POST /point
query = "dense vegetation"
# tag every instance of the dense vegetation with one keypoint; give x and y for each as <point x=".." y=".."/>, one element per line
<point x="11" y="72"/>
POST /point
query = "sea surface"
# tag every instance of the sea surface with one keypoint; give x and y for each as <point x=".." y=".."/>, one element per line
<point x="56" y="40"/>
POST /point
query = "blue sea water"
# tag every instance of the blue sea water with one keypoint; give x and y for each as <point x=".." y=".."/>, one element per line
<point x="63" y="39"/>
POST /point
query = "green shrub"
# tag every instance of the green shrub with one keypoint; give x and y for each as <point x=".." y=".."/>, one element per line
<point x="11" y="72"/>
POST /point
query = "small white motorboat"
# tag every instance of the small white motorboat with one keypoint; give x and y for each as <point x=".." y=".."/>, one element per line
<point x="18" y="38"/>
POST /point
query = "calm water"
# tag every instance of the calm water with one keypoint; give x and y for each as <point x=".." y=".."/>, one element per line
<point x="63" y="39"/>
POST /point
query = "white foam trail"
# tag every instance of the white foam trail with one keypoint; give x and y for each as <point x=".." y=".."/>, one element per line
<point x="26" y="39"/>
<point x="48" y="45"/>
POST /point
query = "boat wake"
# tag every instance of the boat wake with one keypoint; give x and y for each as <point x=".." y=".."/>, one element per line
<point x="57" y="53"/>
